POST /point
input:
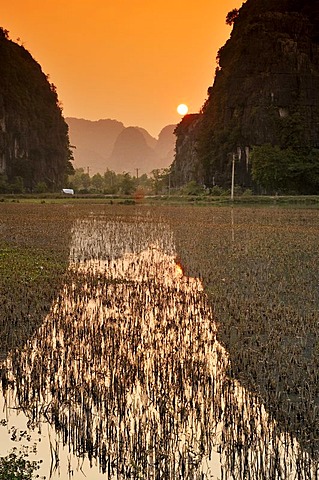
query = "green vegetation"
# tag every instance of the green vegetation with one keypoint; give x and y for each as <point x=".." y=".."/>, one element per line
<point x="16" y="467"/>
<point x="112" y="183"/>
<point x="286" y="170"/>
<point x="33" y="252"/>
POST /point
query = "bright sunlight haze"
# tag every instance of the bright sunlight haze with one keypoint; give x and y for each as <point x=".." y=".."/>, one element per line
<point x="126" y="60"/>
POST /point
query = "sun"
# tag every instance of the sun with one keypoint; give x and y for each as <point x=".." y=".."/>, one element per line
<point x="182" y="109"/>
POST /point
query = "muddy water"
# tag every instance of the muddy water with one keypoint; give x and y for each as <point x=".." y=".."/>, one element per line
<point x="125" y="378"/>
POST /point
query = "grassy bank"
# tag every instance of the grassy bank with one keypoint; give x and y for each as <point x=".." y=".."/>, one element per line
<point x="294" y="200"/>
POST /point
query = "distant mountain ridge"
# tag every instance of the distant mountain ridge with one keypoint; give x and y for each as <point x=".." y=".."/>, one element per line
<point x="108" y="144"/>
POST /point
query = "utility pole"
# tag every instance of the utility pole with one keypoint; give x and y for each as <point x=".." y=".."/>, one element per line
<point x="232" y="178"/>
<point x="137" y="169"/>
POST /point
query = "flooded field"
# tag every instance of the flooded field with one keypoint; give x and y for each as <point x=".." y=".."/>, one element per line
<point x="172" y="342"/>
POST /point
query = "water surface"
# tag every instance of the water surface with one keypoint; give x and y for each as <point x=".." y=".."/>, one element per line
<point x="126" y="375"/>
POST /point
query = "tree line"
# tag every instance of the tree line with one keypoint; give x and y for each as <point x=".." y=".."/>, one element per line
<point x="109" y="183"/>
<point x="112" y="183"/>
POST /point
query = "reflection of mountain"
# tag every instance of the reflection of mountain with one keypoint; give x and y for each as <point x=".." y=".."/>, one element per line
<point x="107" y="144"/>
<point x="128" y="370"/>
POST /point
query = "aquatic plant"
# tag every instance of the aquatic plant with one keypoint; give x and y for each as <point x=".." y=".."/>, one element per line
<point x="139" y="370"/>
<point x="17" y="467"/>
<point x="259" y="267"/>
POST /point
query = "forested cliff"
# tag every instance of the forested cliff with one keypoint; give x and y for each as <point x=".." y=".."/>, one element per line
<point x="263" y="107"/>
<point x="34" y="142"/>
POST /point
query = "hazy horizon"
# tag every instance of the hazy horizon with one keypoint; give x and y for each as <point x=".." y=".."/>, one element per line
<point x="132" y="62"/>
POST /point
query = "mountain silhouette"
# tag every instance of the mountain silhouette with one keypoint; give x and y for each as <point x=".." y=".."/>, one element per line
<point x="94" y="141"/>
<point x="165" y="146"/>
<point x="131" y="149"/>
<point x="263" y="104"/>
<point x="34" y="140"/>
<point x="108" y="144"/>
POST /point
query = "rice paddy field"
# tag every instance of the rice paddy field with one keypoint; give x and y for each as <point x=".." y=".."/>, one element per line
<point x="160" y="342"/>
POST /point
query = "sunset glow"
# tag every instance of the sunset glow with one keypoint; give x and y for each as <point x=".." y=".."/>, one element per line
<point x="125" y="60"/>
<point x="179" y="270"/>
<point x="182" y="109"/>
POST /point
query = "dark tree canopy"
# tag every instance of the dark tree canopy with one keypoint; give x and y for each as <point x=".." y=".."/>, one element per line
<point x="231" y="16"/>
<point x="286" y="170"/>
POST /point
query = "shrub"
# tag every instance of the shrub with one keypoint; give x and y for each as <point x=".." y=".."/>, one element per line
<point x="247" y="193"/>
<point x="216" y="191"/>
<point x="15" y="467"/>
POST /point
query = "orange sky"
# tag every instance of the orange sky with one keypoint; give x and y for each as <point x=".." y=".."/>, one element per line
<point x="131" y="60"/>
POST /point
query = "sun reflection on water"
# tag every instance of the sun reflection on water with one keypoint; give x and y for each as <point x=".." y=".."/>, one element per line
<point x="128" y="370"/>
